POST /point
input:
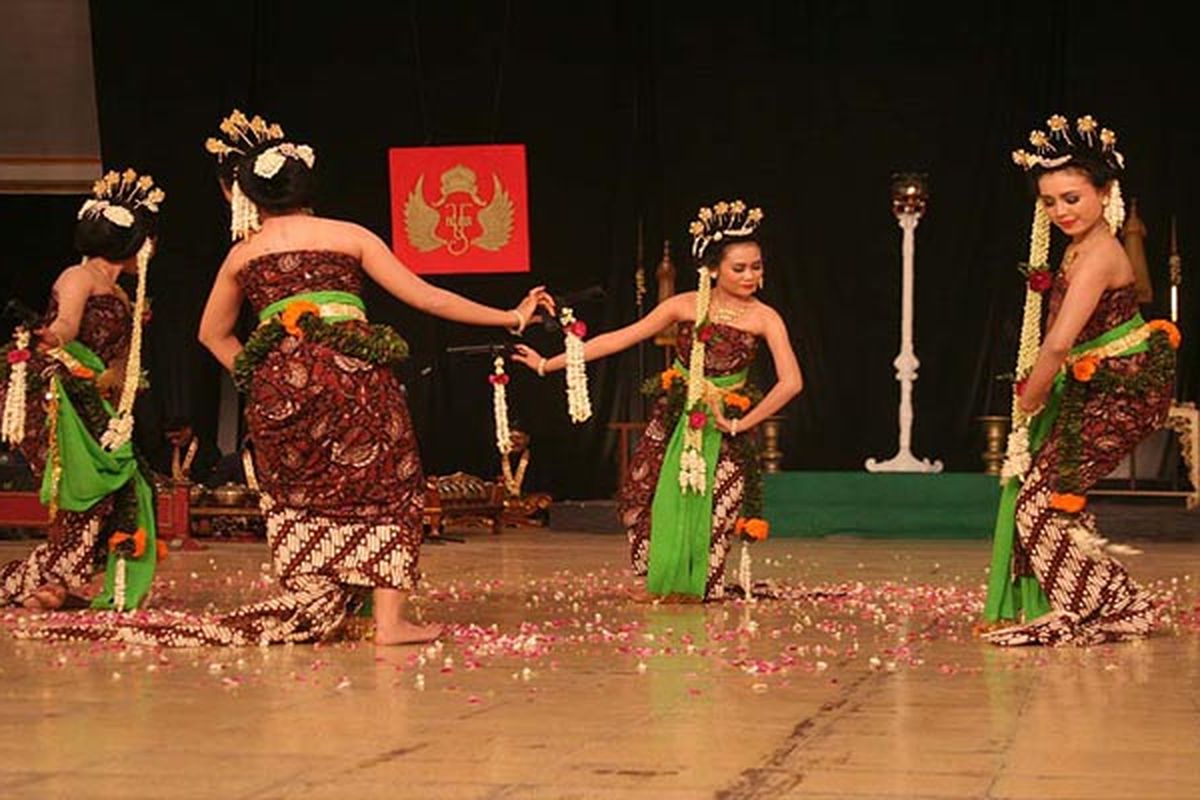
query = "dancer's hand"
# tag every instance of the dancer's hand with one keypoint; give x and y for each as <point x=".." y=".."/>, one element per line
<point x="526" y="355"/>
<point x="538" y="298"/>
<point x="721" y="421"/>
<point x="47" y="338"/>
<point x="1030" y="406"/>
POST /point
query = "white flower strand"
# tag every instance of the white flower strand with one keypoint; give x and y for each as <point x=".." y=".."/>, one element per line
<point x="1114" y="209"/>
<point x="13" y="430"/>
<point x="1017" y="458"/>
<point x="120" y="427"/>
<point x="119" y="585"/>
<point x="243" y="214"/>
<point x="500" y="407"/>
<point x="744" y="572"/>
<point x="693" y="471"/>
<point x="579" y="403"/>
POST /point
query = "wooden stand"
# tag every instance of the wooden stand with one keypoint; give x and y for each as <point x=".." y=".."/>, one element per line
<point x="25" y="510"/>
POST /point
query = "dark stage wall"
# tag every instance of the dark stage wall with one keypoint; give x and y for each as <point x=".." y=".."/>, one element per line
<point x="644" y="111"/>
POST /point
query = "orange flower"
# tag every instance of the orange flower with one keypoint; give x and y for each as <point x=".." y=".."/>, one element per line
<point x="294" y="311"/>
<point x="162" y="549"/>
<point x="1169" y="328"/>
<point x="138" y="538"/>
<point x="80" y="371"/>
<point x="755" y="528"/>
<point x="739" y="401"/>
<point x="1085" y="368"/>
<point x="1070" y="503"/>
<point x="669" y="376"/>
<point x="758" y="529"/>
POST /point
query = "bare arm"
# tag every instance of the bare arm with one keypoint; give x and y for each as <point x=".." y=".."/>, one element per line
<point x="407" y="287"/>
<point x="220" y="316"/>
<point x="73" y="288"/>
<point x="789" y="381"/>
<point x="665" y="313"/>
<point x="1088" y="283"/>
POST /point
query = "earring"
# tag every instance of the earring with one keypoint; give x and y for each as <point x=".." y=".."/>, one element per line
<point x="762" y="279"/>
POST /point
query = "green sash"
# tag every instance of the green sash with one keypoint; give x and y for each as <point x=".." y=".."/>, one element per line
<point x="1009" y="597"/>
<point x="681" y="524"/>
<point x="89" y="474"/>
<point x="318" y="298"/>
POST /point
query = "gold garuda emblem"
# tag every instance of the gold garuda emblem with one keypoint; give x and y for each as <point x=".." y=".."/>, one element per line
<point x="459" y="219"/>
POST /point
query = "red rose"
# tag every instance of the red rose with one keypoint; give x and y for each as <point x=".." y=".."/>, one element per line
<point x="706" y="334"/>
<point x="1040" y="281"/>
<point x="18" y="356"/>
<point x="697" y="419"/>
<point x="498" y="379"/>
<point x="579" y="328"/>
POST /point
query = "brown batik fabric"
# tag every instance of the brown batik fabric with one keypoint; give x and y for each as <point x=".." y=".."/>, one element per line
<point x="1092" y="597"/>
<point x="731" y="350"/>
<point x="67" y="557"/>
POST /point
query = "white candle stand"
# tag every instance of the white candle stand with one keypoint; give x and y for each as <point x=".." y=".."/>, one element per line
<point x="909" y="197"/>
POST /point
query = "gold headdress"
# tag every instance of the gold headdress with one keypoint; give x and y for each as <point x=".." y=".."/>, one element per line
<point x="1089" y="144"/>
<point x="118" y="194"/>
<point x="721" y="220"/>
<point x="1058" y="147"/>
<point x="243" y="135"/>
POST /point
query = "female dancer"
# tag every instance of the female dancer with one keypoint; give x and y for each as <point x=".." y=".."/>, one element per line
<point x="56" y="391"/>
<point x="694" y="479"/>
<point x="1100" y="381"/>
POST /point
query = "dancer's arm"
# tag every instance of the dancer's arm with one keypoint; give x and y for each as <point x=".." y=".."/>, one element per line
<point x="789" y="381"/>
<point x="1083" y="294"/>
<point x="665" y="313"/>
<point x="72" y="289"/>
<point x="407" y="287"/>
<point x="220" y="315"/>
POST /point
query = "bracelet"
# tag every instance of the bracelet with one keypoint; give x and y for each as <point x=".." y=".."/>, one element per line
<point x="541" y="368"/>
<point x="521" y="323"/>
<point x="733" y="427"/>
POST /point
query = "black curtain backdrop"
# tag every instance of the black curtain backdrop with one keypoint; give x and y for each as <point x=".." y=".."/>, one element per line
<point x="635" y="114"/>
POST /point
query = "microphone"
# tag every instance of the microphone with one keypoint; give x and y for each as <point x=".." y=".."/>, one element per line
<point x="20" y="313"/>
<point x="492" y="349"/>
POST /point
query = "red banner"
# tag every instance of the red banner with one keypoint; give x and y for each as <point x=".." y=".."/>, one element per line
<point x="460" y="209"/>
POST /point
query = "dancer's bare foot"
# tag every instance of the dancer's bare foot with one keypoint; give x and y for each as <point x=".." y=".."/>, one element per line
<point x="403" y="632"/>
<point x="46" y="598"/>
<point x="640" y="594"/>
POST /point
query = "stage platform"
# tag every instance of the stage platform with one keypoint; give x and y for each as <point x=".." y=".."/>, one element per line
<point x="952" y="505"/>
<point x="863" y="683"/>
